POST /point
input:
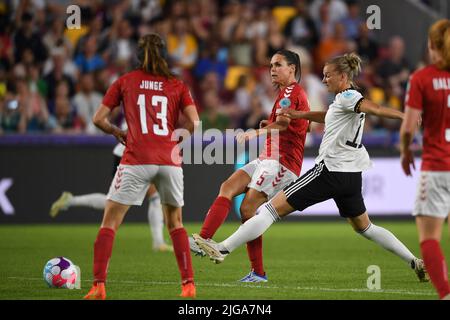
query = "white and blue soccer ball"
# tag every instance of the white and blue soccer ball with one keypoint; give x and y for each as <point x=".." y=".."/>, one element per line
<point x="60" y="272"/>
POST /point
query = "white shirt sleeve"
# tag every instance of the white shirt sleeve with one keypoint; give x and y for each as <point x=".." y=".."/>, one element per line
<point x="349" y="99"/>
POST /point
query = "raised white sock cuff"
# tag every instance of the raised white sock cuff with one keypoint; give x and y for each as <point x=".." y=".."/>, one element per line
<point x="367" y="228"/>
<point x="273" y="212"/>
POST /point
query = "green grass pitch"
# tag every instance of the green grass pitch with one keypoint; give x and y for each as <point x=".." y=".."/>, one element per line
<point x="303" y="260"/>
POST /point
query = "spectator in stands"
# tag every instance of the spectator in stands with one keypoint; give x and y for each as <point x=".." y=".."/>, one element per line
<point x="28" y="38"/>
<point x="182" y="45"/>
<point x="301" y="29"/>
<point x="33" y="106"/>
<point x="256" y="114"/>
<point x="12" y="115"/>
<point x="86" y="102"/>
<point x="212" y="116"/>
<point x="395" y="69"/>
<point x="337" y="10"/>
<point x="66" y="119"/>
<point x="367" y="47"/>
<point x="89" y="60"/>
<point x="353" y="20"/>
<point x="61" y="70"/>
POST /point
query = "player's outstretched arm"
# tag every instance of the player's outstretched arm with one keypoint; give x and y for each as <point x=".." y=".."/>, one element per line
<point x="370" y="107"/>
<point x="101" y="121"/>
<point x="314" y="116"/>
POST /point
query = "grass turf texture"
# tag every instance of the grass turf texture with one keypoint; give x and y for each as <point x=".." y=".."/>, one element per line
<point x="303" y="260"/>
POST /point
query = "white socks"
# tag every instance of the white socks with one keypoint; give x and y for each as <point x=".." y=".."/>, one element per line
<point x="156" y="220"/>
<point x="252" y="228"/>
<point x="93" y="200"/>
<point x="388" y="241"/>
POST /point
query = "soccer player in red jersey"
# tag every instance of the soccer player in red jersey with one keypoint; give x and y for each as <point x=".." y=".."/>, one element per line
<point x="152" y="99"/>
<point x="429" y="94"/>
<point x="278" y="165"/>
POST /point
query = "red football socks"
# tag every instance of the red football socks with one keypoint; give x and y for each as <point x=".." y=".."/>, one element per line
<point x="254" y="250"/>
<point x="183" y="254"/>
<point x="436" y="266"/>
<point x="102" y="253"/>
<point x="215" y="217"/>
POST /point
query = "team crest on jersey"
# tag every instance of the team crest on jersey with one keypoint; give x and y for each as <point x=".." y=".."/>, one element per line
<point x="285" y="103"/>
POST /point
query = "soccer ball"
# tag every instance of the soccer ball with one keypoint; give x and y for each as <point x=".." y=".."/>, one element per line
<point x="60" y="272"/>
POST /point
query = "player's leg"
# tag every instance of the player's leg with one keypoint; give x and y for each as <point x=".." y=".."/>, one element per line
<point x="128" y="187"/>
<point x="181" y="248"/>
<point x="430" y="231"/>
<point x="67" y="200"/>
<point x="217" y="213"/>
<point x="252" y="201"/>
<point x="170" y="185"/>
<point x="307" y="190"/>
<point x="112" y="219"/>
<point x="271" y="212"/>
<point x="156" y="220"/>
<point x="431" y="208"/>
<point x="385" y="239"/>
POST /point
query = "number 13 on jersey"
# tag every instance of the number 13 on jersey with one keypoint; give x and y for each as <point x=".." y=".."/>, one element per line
<point x="159" y="129"/>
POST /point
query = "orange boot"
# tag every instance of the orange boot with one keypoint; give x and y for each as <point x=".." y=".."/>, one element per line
<point x="97" y="292"/>
<point x="188" y="290"/>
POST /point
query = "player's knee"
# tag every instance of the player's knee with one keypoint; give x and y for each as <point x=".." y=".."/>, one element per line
<point x="226" y="189"/>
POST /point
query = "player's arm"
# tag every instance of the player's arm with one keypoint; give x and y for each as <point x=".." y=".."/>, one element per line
<point x="102" y="122"/>
<point x="192" y="119"/>
<point x="370" y="107"/>
<point x="281" y="123"/>
<point x="407" y="130"/>
<point x="313" y="116"/>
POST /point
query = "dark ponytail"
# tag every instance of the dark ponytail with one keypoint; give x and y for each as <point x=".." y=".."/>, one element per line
<point x="152" y="55"/>
<point x="292" y="58"/>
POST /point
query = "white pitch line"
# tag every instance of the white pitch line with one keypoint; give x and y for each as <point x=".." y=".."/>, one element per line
<point x="230" y="285"/>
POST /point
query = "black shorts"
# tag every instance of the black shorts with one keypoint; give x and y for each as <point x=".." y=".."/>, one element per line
<point x="319" y="184"/>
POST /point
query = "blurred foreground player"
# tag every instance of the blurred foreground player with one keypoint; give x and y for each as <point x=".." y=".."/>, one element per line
<point x="429" y="95"/>
<point x="152" y="100"/>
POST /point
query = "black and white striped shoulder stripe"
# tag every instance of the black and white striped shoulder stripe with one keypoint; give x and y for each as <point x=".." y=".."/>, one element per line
<point x="303" y="181"/>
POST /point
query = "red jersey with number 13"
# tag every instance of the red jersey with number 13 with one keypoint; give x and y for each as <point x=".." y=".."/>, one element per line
<point x="152" y="105"/>
<point x="429" y="91"/>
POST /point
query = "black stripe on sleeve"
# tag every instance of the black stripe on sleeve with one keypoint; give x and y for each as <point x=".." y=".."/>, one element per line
<point x="358" y="105"/>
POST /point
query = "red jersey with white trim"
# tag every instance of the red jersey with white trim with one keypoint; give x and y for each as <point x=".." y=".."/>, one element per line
<point x="289" y="144"/>
<point x="152" y="105"/>
<point x="429" y="91"/>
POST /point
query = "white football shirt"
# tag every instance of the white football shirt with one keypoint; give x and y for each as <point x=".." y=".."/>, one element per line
<point x="341" y="147"/>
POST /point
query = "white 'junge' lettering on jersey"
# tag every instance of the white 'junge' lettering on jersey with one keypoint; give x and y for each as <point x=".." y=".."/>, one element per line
<point x="341" y="147"/>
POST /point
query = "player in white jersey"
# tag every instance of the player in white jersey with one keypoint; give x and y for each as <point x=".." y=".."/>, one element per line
<point x="337" y="174"/>
<point x="98" y="200"/>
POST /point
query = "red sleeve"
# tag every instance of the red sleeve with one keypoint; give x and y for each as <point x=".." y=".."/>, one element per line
<point x="186" y="97"/>
<point x="303" y="104"/>
<point x="414" y="95"/>
<point x="113" y="96"/>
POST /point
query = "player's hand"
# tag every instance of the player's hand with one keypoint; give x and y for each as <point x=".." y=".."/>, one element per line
<point x="263" y="123"/>
<point x="407" y="160"/>
<point x="289" y="113"/>
<point x="241" y="137"/>
<point x="121" y="136"/>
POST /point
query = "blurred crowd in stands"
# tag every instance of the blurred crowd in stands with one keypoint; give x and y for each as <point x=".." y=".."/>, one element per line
<point x="52" y="79"/>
